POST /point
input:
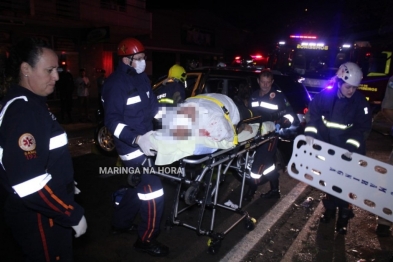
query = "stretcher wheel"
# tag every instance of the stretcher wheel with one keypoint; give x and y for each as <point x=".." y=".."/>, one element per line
<point x="214" y="246"/>
<point x="190" y="195"/>
<point x="250" y="223"/>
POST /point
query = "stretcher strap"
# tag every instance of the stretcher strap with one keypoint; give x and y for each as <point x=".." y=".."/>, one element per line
<point x="226" y="114"/>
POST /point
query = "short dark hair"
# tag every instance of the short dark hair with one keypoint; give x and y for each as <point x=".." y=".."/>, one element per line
<point x="266" y="73"/>
<point x="27" y="50"/>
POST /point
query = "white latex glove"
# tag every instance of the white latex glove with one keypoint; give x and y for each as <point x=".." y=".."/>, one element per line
<point x="145" y="144"/>
<point x="76" y="190"/>
<point x="267" y="127"/>
<point x="80" y="229"/>
<point x="310" y="140"/>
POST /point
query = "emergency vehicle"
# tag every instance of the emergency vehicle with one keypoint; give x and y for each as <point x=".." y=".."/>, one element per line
<point x="315" y="60"/>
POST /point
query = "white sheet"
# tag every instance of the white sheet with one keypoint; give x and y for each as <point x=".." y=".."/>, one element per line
<point x="169" y="151"/>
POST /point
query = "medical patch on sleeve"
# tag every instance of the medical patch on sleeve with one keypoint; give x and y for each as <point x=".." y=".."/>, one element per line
<point x="27" y="142"/>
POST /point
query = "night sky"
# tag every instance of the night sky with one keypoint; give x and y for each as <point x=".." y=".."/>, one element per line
<point x="268" y="21"/>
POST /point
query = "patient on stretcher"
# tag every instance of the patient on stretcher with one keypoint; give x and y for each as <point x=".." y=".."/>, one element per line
<point x="201" y="125"/>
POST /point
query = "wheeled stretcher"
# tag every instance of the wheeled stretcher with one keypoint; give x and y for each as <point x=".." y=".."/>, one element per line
<point x="199" y="184"/>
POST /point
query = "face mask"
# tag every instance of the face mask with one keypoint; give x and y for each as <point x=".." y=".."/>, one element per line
<point x="140" y="66"/>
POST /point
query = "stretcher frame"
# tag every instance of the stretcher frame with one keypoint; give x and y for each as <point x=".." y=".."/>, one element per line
<point x="219" y="161"/>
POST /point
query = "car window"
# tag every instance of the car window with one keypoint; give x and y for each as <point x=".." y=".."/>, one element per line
<point x="224" y="85"/>
<point x="191" y="80"/>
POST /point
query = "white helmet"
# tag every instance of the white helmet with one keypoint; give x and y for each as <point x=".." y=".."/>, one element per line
<point x="350" y="73"/>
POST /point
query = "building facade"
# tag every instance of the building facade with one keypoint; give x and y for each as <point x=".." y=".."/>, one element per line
<point x="85" y="33"/>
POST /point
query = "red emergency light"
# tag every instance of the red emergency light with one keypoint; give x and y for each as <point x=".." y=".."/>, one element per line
<point x="303" y="36"/>
<point x="257" y="57"/>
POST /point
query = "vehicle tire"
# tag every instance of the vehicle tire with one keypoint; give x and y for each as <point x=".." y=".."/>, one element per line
<point x="104" y="141"/>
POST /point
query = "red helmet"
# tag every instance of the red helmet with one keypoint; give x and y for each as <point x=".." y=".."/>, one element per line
<point x="130" y="46"/>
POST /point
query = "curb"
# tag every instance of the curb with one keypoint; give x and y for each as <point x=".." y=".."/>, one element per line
<point x="240" y="251"/>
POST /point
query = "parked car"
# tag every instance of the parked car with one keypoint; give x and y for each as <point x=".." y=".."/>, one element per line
<point x="226" y="80"/>
<point x="317" y="80"/>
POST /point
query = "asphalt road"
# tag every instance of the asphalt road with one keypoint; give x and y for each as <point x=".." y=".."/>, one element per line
<point x="186" y="244"/>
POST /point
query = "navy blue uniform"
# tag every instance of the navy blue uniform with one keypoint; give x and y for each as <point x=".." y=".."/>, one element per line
<point x="166" y="93"/>
<point x="130" y="107"/>
<point x="37" y="172"/>
<point x="343" y="122"/>
<point x="272" y="106"/>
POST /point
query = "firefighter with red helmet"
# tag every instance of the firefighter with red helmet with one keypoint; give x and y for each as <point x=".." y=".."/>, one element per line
<point x="130" y="106"/>
<point x="340" y="116"/>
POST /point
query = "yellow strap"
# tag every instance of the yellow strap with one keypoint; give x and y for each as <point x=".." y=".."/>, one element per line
<point x="226" y="114"/>
<point x="166" y="100"/>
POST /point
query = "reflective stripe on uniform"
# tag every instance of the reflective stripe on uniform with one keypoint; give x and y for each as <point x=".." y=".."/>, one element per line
<point x="353" y="142"/>
<point x="166" y="101"/>
<point x="8" y="104"/>
<point x="254" y="104"/>
<point x="32" y="185"/>
<point x="152" y="195"/>
<point x="335" y="125"/>
<point x="133" y="100"/>
<point x="118" y="129"/>
<point x="269" y="169"/>
<point x="2" y="116"/>
<point x="265" y="172"/>
<point x="58" y="141"/>
<point x="269" y="106"/>
<point x="1" y="157"/>
<point x="130" y="156"/>
<point x="311" y="129"/>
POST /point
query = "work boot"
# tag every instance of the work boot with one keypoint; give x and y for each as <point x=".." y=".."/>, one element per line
<point x="383" y="230"/>
<point x="130" y="230"/>
<point x="152" y="247"/>
<point x="250" y="193"/>
<point x="274" y="191"/>
<point x="344" y="215"/>
<point x="328" y="215"/>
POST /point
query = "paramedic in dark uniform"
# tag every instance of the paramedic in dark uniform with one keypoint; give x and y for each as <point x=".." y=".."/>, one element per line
<point x="130" y="107"/>
<point x="173" y="89"/>
<point x="341" y="117"/>
<point x="272" y="106"/>
<point x="36" y="166"/>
